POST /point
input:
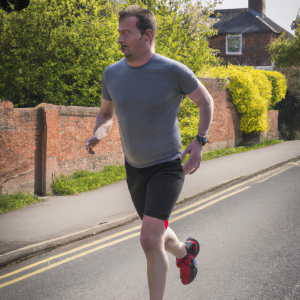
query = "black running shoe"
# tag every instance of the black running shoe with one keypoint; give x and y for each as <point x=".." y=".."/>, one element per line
<point x="188" y="265"/>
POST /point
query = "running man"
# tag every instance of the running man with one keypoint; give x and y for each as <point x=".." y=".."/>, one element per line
<point x="145" y="90"/>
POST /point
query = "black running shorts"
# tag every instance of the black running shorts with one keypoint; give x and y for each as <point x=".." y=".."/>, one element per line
<point x="154" y="190"/>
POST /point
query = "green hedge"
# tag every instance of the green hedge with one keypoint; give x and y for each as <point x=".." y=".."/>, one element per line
<point x="253" y="92"/>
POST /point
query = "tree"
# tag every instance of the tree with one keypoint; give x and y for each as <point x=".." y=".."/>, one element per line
<point x="56" y="51"/>
<point x="286" y="56"/>
<point x="182" y="30"/>
<point x="16" y="5"/>
<point x="285" y="52"/>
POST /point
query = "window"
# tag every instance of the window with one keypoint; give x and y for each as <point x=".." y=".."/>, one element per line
<point x="234" y="44"/>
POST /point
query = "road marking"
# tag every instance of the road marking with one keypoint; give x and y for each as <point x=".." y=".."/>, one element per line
<point x="69" y="259"/>
<point x="208" y="198"/>
<point x="295" y="163"/>
<point x="208" y="204"/>
<point x="275" y="174"/>
<point x="122" y="232"/>
<point x="138" y="227"/>
<point x="71" y="251"/>
<point x="102" y="246"/>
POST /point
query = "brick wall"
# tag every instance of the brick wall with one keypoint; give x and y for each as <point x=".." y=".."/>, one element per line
<point x="254" y="51"/>
<point x="18" y="130"/>
<point x="37" y="144"/>
<point x="224" y="131"/>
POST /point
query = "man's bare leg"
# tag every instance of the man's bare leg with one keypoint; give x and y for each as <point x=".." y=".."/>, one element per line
<point x="155" y="239"/>
<point x="173" y="245"/>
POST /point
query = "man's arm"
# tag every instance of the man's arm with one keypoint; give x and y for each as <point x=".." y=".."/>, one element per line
<point x="103" y="124"/>
<point x="204" y="101"/>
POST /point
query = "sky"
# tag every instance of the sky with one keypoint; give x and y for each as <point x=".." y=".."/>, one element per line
<point x="281" y="12"/>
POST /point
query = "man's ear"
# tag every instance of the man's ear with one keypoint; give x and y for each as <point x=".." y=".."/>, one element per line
<point x="148" y="34"/>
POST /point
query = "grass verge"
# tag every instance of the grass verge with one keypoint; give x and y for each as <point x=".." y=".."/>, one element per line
<point x="83" y="181"/>
<point x="17" y="201"/>
<point x="228" y="151"/>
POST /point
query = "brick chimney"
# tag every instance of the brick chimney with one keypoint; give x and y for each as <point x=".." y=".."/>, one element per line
<point x="259" y="6"/>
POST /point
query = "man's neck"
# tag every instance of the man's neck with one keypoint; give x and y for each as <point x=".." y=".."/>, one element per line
<point x="141" y="60"/>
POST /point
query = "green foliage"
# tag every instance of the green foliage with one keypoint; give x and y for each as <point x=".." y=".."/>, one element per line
<point x="289" y="107"/>
<point x="182" y="31"/>
<point x="289" y="115"/>
<point x="55" y="51"/>
<point x="188" y="119"/>
<point x="83" y="181"/>
<point x="285" y="52"/>
<point x="18" y="201"/>
<point x="252" y="93"/>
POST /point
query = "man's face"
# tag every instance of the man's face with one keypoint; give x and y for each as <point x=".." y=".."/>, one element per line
<point x="130" y="39"/>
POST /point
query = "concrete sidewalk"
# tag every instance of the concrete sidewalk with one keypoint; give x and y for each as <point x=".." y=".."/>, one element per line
<point x="58" y="220"/>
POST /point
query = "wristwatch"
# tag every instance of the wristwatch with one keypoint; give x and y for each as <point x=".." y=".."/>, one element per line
<point x="202" y="140"/>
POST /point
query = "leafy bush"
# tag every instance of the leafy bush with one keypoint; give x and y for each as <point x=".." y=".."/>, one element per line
<point x="188" y="119"/>
<point x="253" y="92"/>
<point x="289" y="115"/>
<point x="279" y="87"/>
<point x="285" y="51"/>
<point x="18" y="201"/>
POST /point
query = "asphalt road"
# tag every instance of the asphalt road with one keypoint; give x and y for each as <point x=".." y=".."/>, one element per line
<point x="250" y="249"/>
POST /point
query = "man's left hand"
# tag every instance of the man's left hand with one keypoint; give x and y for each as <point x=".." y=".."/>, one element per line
<point x="194" y="160"/>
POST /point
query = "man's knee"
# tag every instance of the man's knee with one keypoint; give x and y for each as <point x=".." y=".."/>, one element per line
<point x="150" y="241"/>
<point x="152" y="233"/>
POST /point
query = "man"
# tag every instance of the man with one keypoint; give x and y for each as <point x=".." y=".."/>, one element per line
<point x="146" y="90"/>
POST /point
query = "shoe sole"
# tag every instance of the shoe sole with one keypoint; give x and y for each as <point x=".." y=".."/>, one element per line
<point x="186" y="271"/>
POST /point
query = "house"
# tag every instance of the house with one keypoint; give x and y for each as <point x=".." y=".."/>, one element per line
<point x="244" y="34"/>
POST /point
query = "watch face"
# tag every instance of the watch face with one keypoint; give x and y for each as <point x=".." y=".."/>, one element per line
<point x="202" y="140"/>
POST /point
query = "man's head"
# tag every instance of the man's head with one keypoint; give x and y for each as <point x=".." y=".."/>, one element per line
<point x="137" y="28"/>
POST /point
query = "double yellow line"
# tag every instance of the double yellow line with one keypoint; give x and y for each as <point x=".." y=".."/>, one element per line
<point x="112" y="237"/>
<point x="127" y="237"/>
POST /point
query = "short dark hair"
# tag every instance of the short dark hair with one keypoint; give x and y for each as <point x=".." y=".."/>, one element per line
<point x="146" y="18"/>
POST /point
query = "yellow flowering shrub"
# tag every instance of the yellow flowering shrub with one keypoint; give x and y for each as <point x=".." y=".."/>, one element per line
<point x="253" y="92"/>
<point x="188" y="118"/>
<point x="279" y="86"/>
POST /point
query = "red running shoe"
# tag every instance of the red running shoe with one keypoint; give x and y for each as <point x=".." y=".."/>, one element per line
<point x="188" y="265"/>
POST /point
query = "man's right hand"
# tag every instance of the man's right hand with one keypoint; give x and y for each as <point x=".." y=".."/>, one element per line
<point x="104" y="122"/>
<point x="90" y="144"/>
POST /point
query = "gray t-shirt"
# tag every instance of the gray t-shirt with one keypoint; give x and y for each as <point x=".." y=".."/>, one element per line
<point x="147" y="99"/>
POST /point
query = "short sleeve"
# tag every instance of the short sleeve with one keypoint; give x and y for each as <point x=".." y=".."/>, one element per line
<point x="105" y="92"/>
<point x="187" y="80"/>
